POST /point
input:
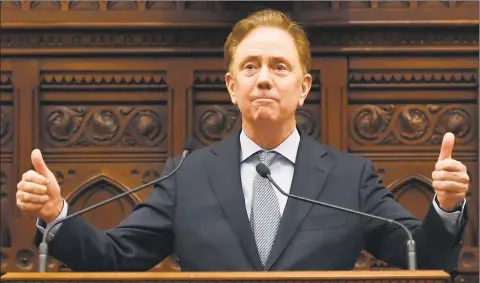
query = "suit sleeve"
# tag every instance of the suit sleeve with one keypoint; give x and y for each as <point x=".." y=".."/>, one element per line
<point x="436" y="246"/>
<point x="138" y="243"/>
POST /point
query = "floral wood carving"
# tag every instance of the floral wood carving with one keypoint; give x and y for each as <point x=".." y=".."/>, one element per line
<point x="75" y="126"/>
<point x="410" y="124"/>
<point x="456" y="121"/>
<point x="309" y="120"/>
<point x="214" y="122"/>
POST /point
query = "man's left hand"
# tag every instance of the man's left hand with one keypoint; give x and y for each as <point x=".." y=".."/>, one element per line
<point x="450" y="178"/>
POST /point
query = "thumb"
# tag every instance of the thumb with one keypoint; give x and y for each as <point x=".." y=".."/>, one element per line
<point x="447" y="146"/>
<point x="39" y="164"/>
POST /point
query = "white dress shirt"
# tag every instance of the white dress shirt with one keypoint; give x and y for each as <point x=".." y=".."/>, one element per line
<point x="282" y="170"/>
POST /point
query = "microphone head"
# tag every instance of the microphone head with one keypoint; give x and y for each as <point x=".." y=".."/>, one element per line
<point x="262" y="170"/>
<point x="190" y="145"/>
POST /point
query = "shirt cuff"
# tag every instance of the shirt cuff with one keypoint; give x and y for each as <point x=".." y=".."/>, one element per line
<point x="451" y="219"/>
<point x="41" y="225"/>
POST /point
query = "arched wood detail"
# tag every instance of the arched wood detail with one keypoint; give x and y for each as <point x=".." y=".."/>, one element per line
<point x="410" y="190"/>
<point x="100" y="188"/>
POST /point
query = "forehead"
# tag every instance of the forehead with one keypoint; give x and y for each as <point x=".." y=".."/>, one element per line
<point x="267" y="42"/>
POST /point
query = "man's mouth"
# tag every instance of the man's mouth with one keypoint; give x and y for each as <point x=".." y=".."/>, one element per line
<point x="264" y="99"/>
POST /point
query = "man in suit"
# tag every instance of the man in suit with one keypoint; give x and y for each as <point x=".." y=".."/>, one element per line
<point x="216" y="213"/>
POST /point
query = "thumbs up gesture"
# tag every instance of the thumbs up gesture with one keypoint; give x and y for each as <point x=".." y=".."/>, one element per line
<point x="38" y="192"/>
<point x="450" y="178"/>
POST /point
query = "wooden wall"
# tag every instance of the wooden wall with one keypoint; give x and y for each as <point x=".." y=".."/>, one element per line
<point x="108" y="90"/>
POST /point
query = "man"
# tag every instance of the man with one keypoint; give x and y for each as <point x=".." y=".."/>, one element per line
<point x="216" y="213"/>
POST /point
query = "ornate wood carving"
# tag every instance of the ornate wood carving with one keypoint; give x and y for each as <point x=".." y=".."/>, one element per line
<point x="407" y="125"/>
<point x="119" y="126"/>
<point x="126" y="82"/>
<point x="215" y="122"/>
<point x="6" y="158"/>
<point x="172" y="36"/>
<point x="105" y="126"/>
<point x="210" y="40"/>
<point x="6" y="111"/>
<point x="336" y="12"/>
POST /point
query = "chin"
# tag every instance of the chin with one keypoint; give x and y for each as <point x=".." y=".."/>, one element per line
<point x="265" y="118"/>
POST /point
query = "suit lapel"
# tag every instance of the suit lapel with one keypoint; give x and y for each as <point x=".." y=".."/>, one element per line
<point x="223" y="169"/>
<point x="312" y="167"/>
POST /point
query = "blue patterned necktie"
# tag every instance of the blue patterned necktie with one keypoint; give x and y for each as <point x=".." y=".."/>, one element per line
<point x="265" y="213"/>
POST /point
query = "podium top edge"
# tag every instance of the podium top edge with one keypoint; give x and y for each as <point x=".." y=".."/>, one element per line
<point x="243" y="275"/>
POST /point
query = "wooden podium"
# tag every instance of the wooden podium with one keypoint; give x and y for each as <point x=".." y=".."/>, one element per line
<point x="423" y="276"/>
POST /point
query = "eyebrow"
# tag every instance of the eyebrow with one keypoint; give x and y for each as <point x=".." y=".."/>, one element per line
<point x="249" y="58"/>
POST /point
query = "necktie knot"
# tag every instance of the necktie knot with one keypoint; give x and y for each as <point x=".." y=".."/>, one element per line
<point x="266" y="157"/>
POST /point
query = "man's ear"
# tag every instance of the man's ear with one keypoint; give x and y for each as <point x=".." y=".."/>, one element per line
<point x="306" y="85"/>
<point x="230" y="83"/>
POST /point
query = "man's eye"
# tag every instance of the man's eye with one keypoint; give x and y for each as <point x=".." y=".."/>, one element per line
<point x="281" y="67"/>
<point x="250" y="66"/>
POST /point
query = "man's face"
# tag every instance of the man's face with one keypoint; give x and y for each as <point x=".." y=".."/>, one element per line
<point x="266" y="78"/>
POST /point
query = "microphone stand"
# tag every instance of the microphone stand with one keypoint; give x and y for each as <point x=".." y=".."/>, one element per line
<point x="264" y="172"/>
<point x="43" y="247"/>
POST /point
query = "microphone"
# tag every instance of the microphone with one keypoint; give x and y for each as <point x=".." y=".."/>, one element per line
<point x="43" y="248"/>
<point x="264" y="172"/>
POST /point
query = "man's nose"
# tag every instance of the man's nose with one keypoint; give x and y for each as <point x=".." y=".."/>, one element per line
<point x="264" y="80"/>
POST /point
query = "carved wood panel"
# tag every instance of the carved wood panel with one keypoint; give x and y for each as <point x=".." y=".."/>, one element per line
<point x="399" y="110"/>
<point x="6" y="159"/>
<point x="111" y="98"/>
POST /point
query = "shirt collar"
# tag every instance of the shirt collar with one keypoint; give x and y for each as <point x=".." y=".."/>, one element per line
<point x="288" y="148"/>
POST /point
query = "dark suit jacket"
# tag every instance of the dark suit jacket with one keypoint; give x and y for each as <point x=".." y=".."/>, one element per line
<point x="200" y="215"/>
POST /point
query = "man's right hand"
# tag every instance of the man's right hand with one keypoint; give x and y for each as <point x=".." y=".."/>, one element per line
<point x="38" y="192"/>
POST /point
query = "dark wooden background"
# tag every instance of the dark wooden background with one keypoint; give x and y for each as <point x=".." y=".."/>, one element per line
<point x="109" y="90"/>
